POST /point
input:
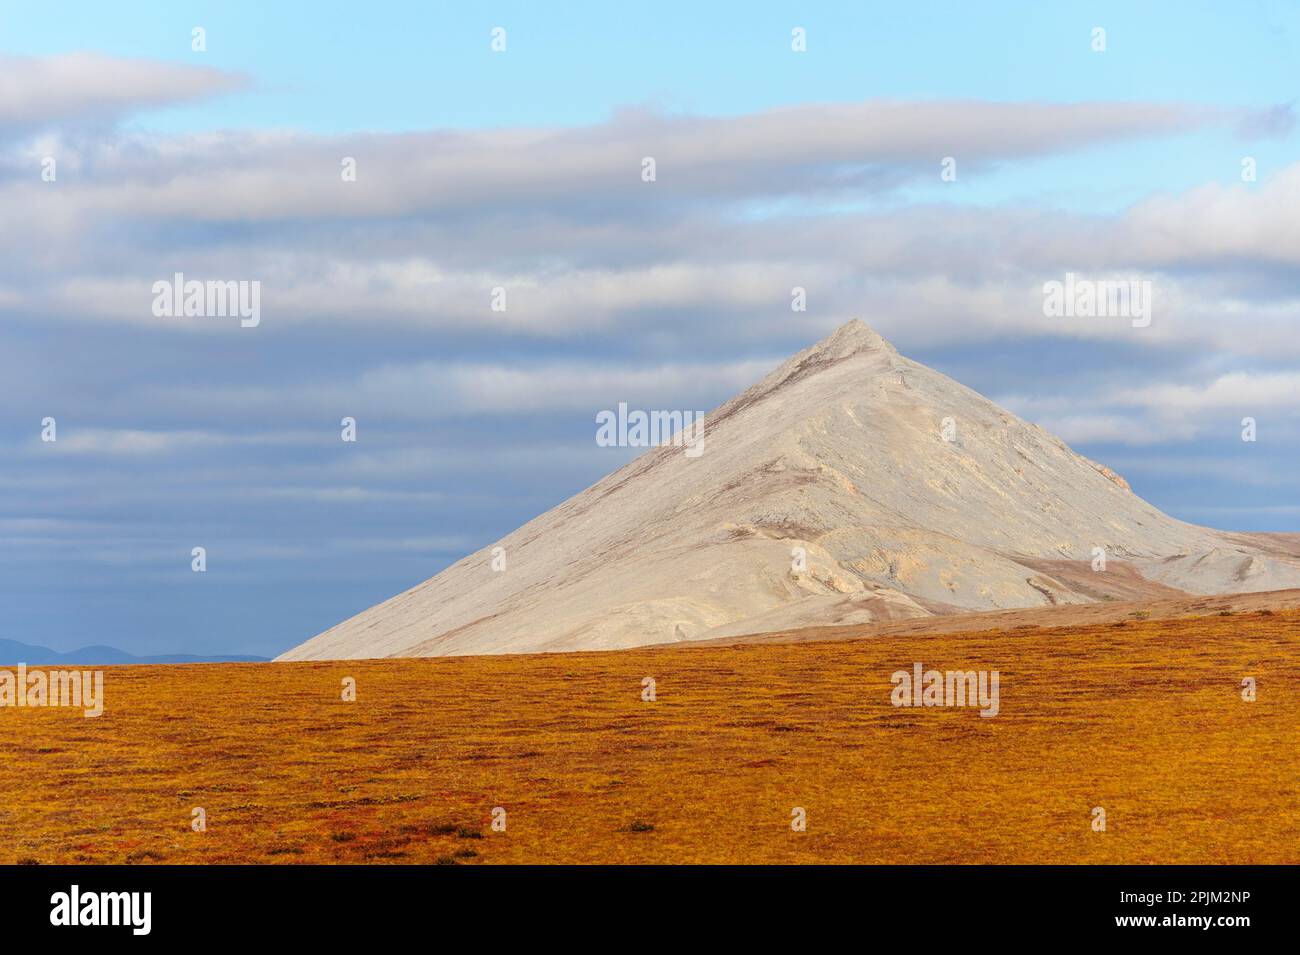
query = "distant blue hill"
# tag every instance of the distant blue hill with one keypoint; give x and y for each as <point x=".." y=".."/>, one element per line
<point x="12" y="652"/>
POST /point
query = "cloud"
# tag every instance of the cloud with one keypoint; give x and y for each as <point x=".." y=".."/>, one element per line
<point x="1275" y="122"/>
<point x="162" y="550"/>
<point x="39" y="92"/>
<point x="347" y="495"/>
<point x="1235" y="391"/>
<point x="1219" y="258"/>
<point x="1232" y="472"/>
<point x="1112" y="429"/>
<point x="423" y="391"/>
<point x="131" y="441"/>
<point x="816" y="149"/>
<point x="1168" y="412"/>
<point x="561" y="220"/>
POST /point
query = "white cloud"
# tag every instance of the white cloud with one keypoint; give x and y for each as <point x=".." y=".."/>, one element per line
<point x="1236" y="391"/>
<point x="430" y="390"/>
<point x="44" y="91"/>
<point x="130" y="441"/>
<point x="796" y="150"/>
<point x="1113" y="428"/>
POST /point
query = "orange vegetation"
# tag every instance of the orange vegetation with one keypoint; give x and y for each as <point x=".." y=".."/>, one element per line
<point x="1143" y="718"/>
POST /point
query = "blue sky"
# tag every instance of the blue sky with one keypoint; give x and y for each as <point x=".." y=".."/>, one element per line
<point x="519" y="169"/>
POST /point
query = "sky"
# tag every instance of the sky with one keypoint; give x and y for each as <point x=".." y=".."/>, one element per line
<point x="522" y="169"/>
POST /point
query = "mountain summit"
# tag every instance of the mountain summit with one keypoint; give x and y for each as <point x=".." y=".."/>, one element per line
<point x="849" y="485"/>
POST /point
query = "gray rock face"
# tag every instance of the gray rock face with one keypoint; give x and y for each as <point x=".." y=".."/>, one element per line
<point x="849" y="485"/>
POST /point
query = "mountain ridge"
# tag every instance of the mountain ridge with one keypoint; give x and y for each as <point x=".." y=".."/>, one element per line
<point x="15" y="652"/>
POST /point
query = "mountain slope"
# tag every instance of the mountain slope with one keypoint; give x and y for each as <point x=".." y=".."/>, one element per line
<point x="908" y="493"/>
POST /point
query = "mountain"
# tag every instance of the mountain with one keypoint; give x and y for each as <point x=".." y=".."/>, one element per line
<point x="12" y="652"/>
<point x="908" y="493"/>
